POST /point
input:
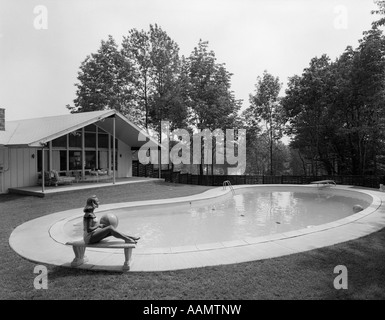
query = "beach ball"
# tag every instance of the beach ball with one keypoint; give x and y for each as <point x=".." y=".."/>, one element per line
<point x="109" y="219"/>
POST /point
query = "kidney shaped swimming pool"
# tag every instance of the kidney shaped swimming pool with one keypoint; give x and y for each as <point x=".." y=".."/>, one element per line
<point x="250" y="212"/>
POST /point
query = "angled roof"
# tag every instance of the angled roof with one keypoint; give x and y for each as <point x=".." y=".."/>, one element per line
<point x="38" y="131"/>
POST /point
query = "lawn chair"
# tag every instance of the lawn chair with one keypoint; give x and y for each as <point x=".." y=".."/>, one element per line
<point x="77" y="175"/>
<point x="56" y="179"/>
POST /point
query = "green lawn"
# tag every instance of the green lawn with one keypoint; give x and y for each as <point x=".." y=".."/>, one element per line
<point x="306" y="275"/>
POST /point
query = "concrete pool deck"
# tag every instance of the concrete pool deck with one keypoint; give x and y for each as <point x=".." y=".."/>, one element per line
<point x="42" y="240"/>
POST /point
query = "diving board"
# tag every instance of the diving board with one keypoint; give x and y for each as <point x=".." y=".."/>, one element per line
<point x="324" y="183"/>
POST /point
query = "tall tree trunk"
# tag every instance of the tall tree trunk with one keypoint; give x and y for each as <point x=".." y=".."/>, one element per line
<point x="271" y="142"/>
<point x="303" y="163"/>
<point x="271" y="152"/>
<point x="146" y="102"/>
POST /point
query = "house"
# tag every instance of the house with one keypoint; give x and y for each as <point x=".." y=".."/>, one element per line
<point x="79" y="144"/>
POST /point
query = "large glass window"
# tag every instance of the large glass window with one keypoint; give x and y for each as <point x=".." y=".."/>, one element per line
<point x="75" y="139"/>
<point x="63" y="160"/>
<point x="60" y="142"/>
<point x="103" y="140"/>
<point x="95" y="138"/>
<point x="91" y="160"/>
<point x="90" y="128"/>
<point x="75" y="160"/>
<point x="40" y="160"/>
<point x="90" y="140"/>
<point x="103" y="159"/>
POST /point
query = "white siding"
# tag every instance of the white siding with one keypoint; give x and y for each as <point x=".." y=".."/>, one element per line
<point x="124" y="160"/>
<point x="3" y="166"/>
<point x="20" y="168"/>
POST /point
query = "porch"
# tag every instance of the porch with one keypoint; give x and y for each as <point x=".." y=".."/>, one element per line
<point x="49" y="190"/>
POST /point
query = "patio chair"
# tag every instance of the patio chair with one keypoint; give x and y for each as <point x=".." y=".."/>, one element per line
<point x="47" y="178"/>
<point x="56" y="179"/>
<point x="77" y="175"/>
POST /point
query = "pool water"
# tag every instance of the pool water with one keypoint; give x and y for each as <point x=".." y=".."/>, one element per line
<point x="248" y="213"/>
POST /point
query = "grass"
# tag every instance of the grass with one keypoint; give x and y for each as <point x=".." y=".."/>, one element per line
<point x="307" y="275"/>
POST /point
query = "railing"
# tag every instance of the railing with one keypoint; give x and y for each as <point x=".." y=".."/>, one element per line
<point x="228" y="183"/>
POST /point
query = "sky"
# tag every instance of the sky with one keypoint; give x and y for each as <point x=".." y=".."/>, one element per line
<point x="42" y="43"/>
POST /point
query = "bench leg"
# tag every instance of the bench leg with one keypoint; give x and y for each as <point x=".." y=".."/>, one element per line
<point x="128" y="260"/>
<point x="79" y="256"/>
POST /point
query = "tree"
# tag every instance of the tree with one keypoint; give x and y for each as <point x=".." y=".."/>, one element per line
<point x="155" y="57"/>
<point x="358" y="104"/>
<point x="136" y="50"/>
<point x="148" y="82"/>
<point x="105" y="81"/>
<point x="307" y="105"/>
<point x="379" y="11"/>
<point x="158" y="89"/>
<point x="336" y="109"/>
<point x="164" y="55"/>
<point x="210" y="99"/>
<point x="266" y="107"/>
<point x="259" y="148"/>
<point x="367" y="103"/>
<point x="255" y="151"/>
<point x="211" y="102"/>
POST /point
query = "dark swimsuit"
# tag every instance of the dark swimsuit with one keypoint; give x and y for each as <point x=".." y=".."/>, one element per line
<point x="87" y="235"/>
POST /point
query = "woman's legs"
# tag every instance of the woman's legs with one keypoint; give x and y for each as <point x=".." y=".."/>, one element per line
<point x="101" y="233"/>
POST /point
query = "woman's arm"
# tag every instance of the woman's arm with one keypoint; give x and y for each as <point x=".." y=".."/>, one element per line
<point x="89" y="225"/>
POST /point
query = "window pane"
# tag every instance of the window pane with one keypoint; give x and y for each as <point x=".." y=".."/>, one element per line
<point x="90" y="140"/>
<point x="60" y="142"/>
<point x="63" y="160"/>
<point x="75" y="160"/>
<point x="100" y="130"/>
<point x="103" y="140"/>
<point x="75" y="139"/>
<point x="103" y="160"/>
<point x="90" y="128"/>
<point x="91" y="160"/>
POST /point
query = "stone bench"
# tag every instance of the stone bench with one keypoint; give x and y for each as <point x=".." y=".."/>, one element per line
<point x="80" y="246"/>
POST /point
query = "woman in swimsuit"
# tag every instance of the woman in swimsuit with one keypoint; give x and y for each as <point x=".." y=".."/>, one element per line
<point x="94" y="231"/>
